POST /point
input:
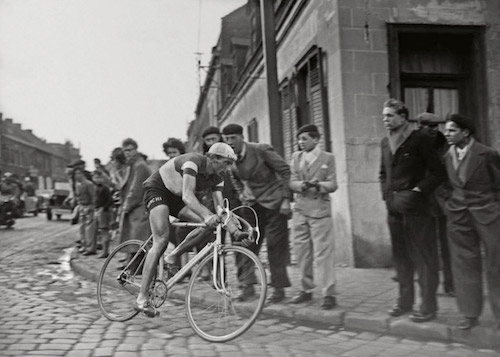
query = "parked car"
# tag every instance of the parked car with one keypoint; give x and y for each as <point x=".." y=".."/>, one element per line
<point x="31" y="205"/>
<point x="44" y="197"/>
<point x="57" y="205"/>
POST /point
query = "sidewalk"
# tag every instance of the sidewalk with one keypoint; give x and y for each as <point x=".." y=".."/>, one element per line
<point x="364" y="296"/>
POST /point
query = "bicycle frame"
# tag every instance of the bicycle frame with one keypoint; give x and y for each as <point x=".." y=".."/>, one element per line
<point x="215" y="246"/>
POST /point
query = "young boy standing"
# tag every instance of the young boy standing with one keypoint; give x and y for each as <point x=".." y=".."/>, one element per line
<point x="313" y="179"/>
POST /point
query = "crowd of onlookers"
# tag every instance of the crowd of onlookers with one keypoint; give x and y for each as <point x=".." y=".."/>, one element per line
<point x="13" y="188"/>
<point x="442" y="193"/>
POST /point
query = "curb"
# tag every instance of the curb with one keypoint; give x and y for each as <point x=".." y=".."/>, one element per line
<point x="480" y="337"/>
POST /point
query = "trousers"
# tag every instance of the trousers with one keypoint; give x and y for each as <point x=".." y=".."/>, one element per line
<point x="414" y="248"/>
<point x="313" y="241"/>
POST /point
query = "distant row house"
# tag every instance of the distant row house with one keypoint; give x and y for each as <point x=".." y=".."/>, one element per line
<point x="24" y="154"/>
<point x="338" y="61"/>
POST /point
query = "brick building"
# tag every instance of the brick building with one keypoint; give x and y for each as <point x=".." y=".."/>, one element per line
<point x="26" y="155"/>
<point x="338" y="61"/>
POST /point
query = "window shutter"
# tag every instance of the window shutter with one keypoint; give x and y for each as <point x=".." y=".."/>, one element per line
<point x="287" y="127"/>
<point x="316" y="98"/>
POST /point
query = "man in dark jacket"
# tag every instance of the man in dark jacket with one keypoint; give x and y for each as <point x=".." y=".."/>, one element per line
<point x="135" y="223"/>
<point x="266" y="178"/>
<point x="428" y="123"/>
<point x="410" y="170"/>
<point x="473" y="208"/>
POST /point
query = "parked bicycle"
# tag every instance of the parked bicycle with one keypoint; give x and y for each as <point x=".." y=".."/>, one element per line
<point x="212" y="308"/>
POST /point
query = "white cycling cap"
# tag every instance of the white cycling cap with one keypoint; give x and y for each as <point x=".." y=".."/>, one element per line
<point x="223" y="150"/>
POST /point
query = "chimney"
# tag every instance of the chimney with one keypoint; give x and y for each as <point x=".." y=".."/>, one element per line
<point x="29" y="131"/>
<point x="8" y="120"/>
<point x="18" y="126"/>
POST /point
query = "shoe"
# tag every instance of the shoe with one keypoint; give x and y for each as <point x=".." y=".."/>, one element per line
<point x="421" y="317"/>
<point x="89" y="253"/>
<point x="276" y="296"/>
<point x="329" y="302"/>
<point x="449" y="291"/>
<point x="103" y="255"/>
<point x="398" y="310"/>
<point x="301" y="297"/>
<point x="467" y="323"/>
<point x="146" y="309"/>
<point x="246" y="293"/>
<point x="81" y="250"/>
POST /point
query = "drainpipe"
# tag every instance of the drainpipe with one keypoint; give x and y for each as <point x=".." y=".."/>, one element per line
<point x="269" y="45"/>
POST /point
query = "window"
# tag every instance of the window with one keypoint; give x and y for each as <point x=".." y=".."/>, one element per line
<point x="311" y="95"/>
<point x="438" y="69"/>
<point x="253" y="133"/>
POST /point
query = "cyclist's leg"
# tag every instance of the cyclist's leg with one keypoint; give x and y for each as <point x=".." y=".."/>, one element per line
<point x="192" y="239"/>
<point x="160" y="227"/>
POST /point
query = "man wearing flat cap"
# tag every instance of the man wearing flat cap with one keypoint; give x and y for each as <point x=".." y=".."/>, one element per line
<point x="428" y="124"/>
<point x="473" y="213"/>
<point x="313" y="179"/>
<point x="265" y="176"/>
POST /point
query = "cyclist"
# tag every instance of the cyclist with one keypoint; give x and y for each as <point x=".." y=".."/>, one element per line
<point x="171" y="191"/>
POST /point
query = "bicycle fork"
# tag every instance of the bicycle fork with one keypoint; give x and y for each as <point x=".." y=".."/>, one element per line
<point x="218" y="267"/>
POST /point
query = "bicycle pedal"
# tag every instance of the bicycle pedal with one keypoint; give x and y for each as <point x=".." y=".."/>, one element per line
<point x="151" y="313"/>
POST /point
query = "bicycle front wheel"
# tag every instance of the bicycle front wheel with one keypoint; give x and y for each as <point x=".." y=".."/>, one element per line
<point x="215" y="306"/>
<point x="120" y="280"/>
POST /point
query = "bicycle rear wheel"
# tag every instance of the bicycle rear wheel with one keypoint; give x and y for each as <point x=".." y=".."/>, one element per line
<point x="219" y="316"/>
<point x="117" y="286"/>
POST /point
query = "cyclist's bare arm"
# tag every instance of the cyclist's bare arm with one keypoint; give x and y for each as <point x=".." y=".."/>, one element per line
<point x="189" y="198"/>
<point x="218" y="199"/>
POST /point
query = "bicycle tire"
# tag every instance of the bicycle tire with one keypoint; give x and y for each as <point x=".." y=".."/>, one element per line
<point x="215" y="316"/>
<point x="117" y="289"/>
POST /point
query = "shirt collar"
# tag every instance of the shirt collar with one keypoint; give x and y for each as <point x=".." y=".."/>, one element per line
<point x="314" y="153"/>
<point x="243" y="152"/>
<point x="462" y="152"/>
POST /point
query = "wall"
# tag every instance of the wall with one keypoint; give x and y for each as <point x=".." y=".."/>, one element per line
<point x="365" y="79"/>
<point x="250" y="103"/>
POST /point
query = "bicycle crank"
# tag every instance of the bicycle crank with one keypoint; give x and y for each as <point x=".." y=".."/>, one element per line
<point x="158" y="293"/>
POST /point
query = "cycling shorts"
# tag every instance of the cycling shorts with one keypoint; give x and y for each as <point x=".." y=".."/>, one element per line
<point x="155" y="194"/>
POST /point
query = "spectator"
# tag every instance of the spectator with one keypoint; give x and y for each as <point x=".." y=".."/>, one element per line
<point x="428" y="123"/>
<point x="173" y="147"/>
<point x="212" y="135"/>
<point x="118" y="173"/>
<point x="29" y="187"/>
<point x="410" y="170"/>
<point x="134" y="218"/>
<point x="313" y="178"/>
<point x="265" y="177"/>
<point x="99" y="166"/>
<point x="85" y="200"/>
<point x="473" y="219"/>
<point x="103" y="207"/>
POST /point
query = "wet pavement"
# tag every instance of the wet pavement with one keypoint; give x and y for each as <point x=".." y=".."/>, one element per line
<point x="47" y="310"/>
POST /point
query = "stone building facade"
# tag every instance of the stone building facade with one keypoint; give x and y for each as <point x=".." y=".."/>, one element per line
<point x="339" y="60"/>
<point x="24" y="154"/>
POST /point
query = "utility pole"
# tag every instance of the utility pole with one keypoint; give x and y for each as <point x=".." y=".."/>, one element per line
<point x="269" y="45"/>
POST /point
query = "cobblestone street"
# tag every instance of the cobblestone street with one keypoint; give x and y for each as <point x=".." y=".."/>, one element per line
<point x="46" y="310"/>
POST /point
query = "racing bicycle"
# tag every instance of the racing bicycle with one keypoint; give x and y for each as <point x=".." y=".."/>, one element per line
<point x="218" y="272"/>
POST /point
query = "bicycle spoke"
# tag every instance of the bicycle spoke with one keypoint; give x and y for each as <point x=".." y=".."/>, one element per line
<point x="117" y="289"/>
<point x="219" y="315"/>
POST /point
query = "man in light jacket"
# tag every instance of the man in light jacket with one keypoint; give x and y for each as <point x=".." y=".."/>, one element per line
<point x="313" y="179"/>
